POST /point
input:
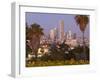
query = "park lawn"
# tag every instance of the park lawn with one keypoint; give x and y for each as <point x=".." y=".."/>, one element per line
<point x="56" y="63"/>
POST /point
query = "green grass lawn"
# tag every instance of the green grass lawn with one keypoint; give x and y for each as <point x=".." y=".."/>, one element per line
<point x="39" y="63"/>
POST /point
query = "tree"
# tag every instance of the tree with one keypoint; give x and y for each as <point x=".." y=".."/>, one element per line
<point x="34" y="33"/>
<point x="82" y="21"/>
<point x="28" y="47"/>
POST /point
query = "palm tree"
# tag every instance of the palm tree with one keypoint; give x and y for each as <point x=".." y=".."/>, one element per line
<point x="34" y="33"/>
<point x="82" y="21"/>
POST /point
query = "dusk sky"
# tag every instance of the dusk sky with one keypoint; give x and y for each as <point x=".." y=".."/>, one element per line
<point x="49" y="21"/>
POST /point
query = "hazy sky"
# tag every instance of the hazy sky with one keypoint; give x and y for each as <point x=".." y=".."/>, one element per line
<point x="49" y="21"/>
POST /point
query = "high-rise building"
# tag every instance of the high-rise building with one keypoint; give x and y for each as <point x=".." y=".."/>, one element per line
<point x="69" y="35"/>
<point x="56" y="33"/>
<point x="61" y="30"/>
<point x="52" y="34"/>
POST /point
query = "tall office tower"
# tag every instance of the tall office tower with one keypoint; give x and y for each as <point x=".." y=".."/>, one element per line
<point x="56" y="33"/>
<point x="69" y="36"/>
<point x="52" y="34"/>
<point x="61" y="30"/>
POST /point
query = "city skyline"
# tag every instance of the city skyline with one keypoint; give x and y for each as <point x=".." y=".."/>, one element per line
<point x="56" y="39"/>
<point x="49" y="21"/>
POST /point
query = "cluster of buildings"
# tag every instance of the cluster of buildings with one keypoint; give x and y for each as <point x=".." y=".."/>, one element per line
<point x="59" y="35"/>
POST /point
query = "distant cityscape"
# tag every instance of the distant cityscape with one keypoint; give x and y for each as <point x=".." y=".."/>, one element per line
<point x="58" y="36"/>
<point x="56" y="39"/>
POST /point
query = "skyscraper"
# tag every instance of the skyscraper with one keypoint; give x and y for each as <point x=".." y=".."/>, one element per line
<point x="52" y="34"/>
<point x="56" y="33"/>
<point x="69" y="35"/>
<point x="61" y="30"/>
